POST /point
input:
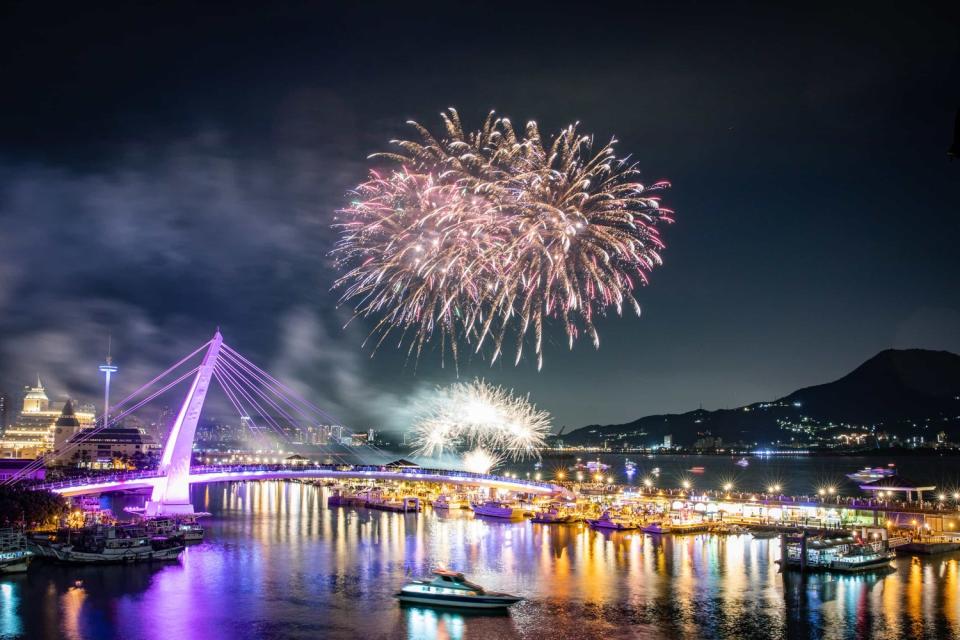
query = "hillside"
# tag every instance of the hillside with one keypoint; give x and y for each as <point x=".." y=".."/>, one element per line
<point x="909" y="393"/>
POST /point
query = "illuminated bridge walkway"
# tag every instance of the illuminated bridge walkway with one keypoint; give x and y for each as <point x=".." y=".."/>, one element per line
<point x="222" y="473"/>
<point x="253" y="392"/>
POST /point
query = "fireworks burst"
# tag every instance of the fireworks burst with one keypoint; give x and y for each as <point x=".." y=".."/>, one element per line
<point x="480" y="461"/>
<point x="487" y="236"/>
<point x="486" y="419"/>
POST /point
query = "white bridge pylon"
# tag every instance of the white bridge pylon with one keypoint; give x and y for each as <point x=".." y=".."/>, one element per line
<point x="171" y="493"/>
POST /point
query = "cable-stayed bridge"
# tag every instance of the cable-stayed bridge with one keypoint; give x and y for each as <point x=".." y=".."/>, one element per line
<point x="253" y="392"/>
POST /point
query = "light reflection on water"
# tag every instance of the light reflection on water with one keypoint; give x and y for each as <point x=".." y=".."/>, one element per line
<point x="278" y="564"/>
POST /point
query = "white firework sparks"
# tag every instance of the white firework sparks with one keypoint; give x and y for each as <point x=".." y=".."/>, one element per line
<point x="480" y="461"/>
<point x="480" y="416"/>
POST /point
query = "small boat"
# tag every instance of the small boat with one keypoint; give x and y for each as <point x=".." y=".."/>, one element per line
<point x="612" y="522"/>
<point x="868" y="474"/>
<point x="538" y="465"/>
<point x="742" y="462"/>
<point x="553" y="515"/>
<point x="764" y="535"/>
<point x="656" y="528"/>
<point x="14" y="555"/>
<point x="451" y="589"/>
<point x="655" y="471"/>
<point x="696" y="469"/>
<point x="442" y="503"/>
<point x="496" y="509"/>
<point x="863" y="559"/>
<point x="630" y="466"/>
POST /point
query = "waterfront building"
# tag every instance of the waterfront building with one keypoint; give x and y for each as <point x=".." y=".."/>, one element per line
<point x="31" y="433"/>
<point x="667" y="441"/>
<point x="114" y="447"/>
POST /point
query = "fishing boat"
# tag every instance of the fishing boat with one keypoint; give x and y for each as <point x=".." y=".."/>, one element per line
<point x="451" y="589"/>
<point x="868" y="474"/>
<point x="657" y="528"/>
<point x="122" y="544"/>
<point x="15" y="557"/>
<point x="608" y="520"/>
<point x="742" y="462"/>
<point x="496" y="509"/>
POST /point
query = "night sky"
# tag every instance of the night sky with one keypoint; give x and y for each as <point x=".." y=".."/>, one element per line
<point x="164" y="170"/>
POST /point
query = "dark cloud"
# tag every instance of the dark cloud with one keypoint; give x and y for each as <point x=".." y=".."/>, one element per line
<point x="165" y="170"/>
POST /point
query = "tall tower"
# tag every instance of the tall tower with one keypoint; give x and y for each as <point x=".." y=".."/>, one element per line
<point x="109" y="369"/>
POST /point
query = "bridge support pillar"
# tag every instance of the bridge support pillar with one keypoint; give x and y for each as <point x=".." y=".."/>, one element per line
<point x="171" y="494"/>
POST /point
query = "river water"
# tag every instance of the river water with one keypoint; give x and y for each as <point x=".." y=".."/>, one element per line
<point x="278" y="564"/>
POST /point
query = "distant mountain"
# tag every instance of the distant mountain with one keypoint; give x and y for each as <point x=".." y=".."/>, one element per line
<point x="908" y="393"/>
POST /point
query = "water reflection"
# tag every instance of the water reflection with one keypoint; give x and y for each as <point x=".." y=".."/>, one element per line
<point x="278" y="564"/>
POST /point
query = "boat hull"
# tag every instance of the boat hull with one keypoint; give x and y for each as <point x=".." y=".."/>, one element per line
<point x="459" y="602"/>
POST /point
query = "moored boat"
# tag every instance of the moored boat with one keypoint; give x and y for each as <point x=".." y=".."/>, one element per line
<point x="15" y="557"/>
<point x="121" y="544"/>
<point x="496" y="509"/>
<point x="451" y="589"/>
<point x="554" y="515"/>
<point x="656" y="528"/>
<point x="613" y="522"/>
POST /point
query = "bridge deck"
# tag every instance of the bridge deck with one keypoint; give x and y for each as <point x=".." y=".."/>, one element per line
<point x="207" y="474"/>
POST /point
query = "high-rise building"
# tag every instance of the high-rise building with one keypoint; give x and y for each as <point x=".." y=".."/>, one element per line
<point x="4" y="411"/>
<point x="667" y="441"/>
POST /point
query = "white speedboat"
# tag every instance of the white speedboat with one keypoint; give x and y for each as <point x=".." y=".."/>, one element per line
<point x="742" y="462"/>
<point x="495" y="509"/>
<point x="451" y="589"/>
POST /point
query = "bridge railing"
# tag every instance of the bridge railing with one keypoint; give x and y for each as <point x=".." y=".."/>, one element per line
<point x="292" y="469"/>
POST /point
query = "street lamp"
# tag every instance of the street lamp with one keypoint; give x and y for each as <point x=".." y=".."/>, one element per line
<point x="728" y="486"/>
<point x="686" y="484"/>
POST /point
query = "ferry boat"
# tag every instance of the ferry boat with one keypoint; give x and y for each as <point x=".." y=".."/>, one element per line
<point x="847" y="553"/>
<point x="14" y="555"/>
<point x="122" y="544"/>
<point x="451" y="589"/>
<point x="612" y="522"/>
<point x="495" y="509"/>
<point x="868" y="474"/>
<point x="630" y="466"/>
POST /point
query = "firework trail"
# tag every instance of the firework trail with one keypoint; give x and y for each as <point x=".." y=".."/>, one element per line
<point x="488" y="236"/>
<point x="481" y="417"/>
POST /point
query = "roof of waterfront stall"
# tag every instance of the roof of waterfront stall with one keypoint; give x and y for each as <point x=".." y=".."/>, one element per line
<point x="403" y="463"/>
<point x="896" y="482"/>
